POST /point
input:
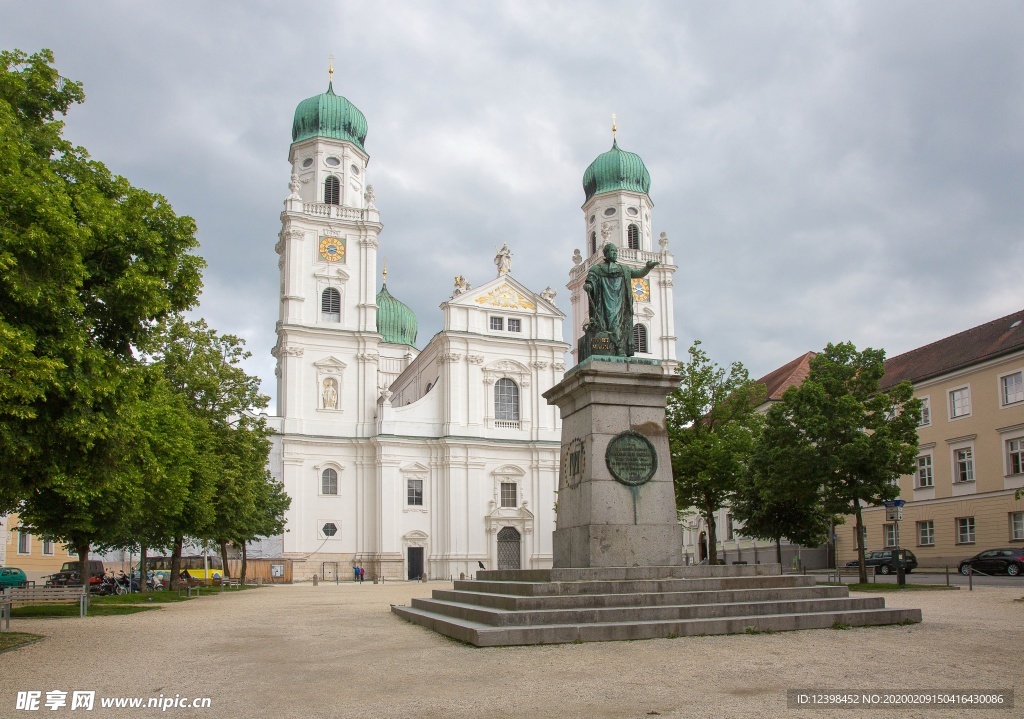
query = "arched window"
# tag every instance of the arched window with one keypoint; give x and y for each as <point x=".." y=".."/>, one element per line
<point x="640" y="338"/>
<point x="593" y="243"/>
<point x="330" y="305"/>
<point x="633" y="236"/>
<point x="332" y="191"/>
<point x="506" y="401"/>
<point x="329" y="482"/>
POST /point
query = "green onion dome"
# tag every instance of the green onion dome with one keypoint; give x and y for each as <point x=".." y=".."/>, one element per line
<point x="616" y="170"/>
<point x="395" y="320"/>
<point x="329" y="115"/>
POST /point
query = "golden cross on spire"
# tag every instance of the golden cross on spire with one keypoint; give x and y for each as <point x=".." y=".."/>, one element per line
<point x="330" y="70"/>
<point x="613" y="125"/>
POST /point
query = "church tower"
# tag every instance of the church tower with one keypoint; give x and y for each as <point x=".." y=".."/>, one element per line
<point x="327" y="347"/>
<point x="617" y="209"/>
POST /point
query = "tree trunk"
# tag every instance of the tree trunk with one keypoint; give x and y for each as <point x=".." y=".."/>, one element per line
<point x="778" y="550"/>
<point x="863" y="570"/>
<point x="143" y="587"/>
<point x="224" y="557"/>
<point x="245" y="557"/>
<point x="712" y="537"/>
<point x="83" y="570"/>
<point x="176" y="562"/>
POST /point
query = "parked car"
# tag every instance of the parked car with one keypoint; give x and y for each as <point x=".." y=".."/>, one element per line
<point x="995" y="561"/>
<point x="69" y="575"/>
<point x="11" y="577"/>
<point x="883" y="562"/>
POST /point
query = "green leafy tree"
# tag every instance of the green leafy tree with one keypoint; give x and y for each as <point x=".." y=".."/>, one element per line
<point x="713" y="425"/>
<point x="838" y="432"/>
<point x="88" y="265"/>
<point x="772" y="501"/>
<point x="230" y="493"/>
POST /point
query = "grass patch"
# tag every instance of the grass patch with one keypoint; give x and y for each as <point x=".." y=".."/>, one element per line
<point x="840" y="626"/>
<point x="10" y="640"/>
<point x="160" y="597"/>
<point x="886" y="587"/>
<point x="37" y="611"/>
<point x="756" y="630"/>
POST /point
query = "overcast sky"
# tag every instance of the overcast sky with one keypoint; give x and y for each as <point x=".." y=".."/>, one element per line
<point x="824" y="171"/>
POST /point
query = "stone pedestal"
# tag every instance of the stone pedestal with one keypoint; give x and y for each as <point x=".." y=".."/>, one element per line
<point x="604" y="520"/>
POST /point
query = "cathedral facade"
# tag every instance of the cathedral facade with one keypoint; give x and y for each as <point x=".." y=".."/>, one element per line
<point x="440" y="460"/>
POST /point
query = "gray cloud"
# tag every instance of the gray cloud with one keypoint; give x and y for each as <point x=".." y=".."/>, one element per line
<point x="825" y="171"/>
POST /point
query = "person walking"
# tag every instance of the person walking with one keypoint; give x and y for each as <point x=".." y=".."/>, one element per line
<point x="362" y="573"/>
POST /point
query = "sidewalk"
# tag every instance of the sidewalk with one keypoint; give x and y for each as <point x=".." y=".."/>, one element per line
<point x="337" y="651"/>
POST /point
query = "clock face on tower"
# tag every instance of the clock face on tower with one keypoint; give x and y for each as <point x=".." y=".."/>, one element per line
<point x="642" y="289"/>
<point x="332" y="249"/>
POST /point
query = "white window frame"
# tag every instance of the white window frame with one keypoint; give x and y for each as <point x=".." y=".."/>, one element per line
<point x="518" y="324"/>
<point x="321" y="523"/>
<point x="926" y="411"/>
<point x="320" y="472"/>
<point x="47" y="548"/>
<point x="497" y="324"/>
<point x="889" y="535"/>
<point x="966" y="530"/>
<point x="956" y="459"/>
<point x="926" y="533"/>
<point x="502" y="497"/>
<point x="919" y="480"/>
<point x="1004" y="401"/>
<point x="966" y="408"/>
<point x="26" y="539"/>
<point x="1010" y="451"/>
<point x="409" y="492"/>
<point x="1017" y="526"/>
<point x="508" y="405"/>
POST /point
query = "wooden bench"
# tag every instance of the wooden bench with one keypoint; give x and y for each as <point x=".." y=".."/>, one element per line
<point x="26" y="596"/>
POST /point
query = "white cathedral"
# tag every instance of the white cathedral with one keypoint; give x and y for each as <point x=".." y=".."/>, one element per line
<point x="431" y="462"/>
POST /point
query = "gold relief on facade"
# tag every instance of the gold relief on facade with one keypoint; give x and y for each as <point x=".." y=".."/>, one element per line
<point x="506" y="297"/>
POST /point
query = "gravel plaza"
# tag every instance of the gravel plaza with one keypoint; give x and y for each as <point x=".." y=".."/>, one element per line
<point x="337" y="651"/>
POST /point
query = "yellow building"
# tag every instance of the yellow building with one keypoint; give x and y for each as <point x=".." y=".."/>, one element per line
<point x="36" y="557"/>
<point x="960" y="501"/>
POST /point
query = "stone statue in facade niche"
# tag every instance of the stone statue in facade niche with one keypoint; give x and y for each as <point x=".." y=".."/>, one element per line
<point x="330" y="393"/>
<point x="609" y="331"/>
<point x="503" y="260"/>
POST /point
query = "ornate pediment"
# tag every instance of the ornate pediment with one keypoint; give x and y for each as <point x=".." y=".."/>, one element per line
<point x="506" y="297"/>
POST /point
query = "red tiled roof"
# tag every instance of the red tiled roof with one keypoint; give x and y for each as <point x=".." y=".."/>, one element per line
<point x="967" y="348"/>
<point x="789" y="374"/>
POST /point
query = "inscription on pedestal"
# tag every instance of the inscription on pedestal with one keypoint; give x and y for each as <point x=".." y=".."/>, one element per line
<point x="573" y="463"/>
<point x="631" y="458"/>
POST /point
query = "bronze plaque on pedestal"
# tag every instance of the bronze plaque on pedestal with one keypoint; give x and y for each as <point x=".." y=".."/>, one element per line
<point x="631" y="458"/>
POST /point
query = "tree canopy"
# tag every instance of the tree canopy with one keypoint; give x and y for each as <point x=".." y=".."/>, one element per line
<point x="88" y="265"/>
<point x="839" y="433"/>
<point x="712" y="424"/>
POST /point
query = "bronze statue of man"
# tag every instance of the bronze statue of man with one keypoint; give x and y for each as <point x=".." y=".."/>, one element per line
<point x="610" y="292"/>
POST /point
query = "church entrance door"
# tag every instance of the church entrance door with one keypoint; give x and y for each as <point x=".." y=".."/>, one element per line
<point x="415" y="562"/>
<point x="509" y="549"/>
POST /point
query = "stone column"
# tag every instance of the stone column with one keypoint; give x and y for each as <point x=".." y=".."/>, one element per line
<point x="615" y="508"/>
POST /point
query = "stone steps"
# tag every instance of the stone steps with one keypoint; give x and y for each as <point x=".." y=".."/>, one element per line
<point x="483" y="635"/>
<point x="510" y="602"/>
<point x="616" y="615"/>
<point x="573" y="605"/>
